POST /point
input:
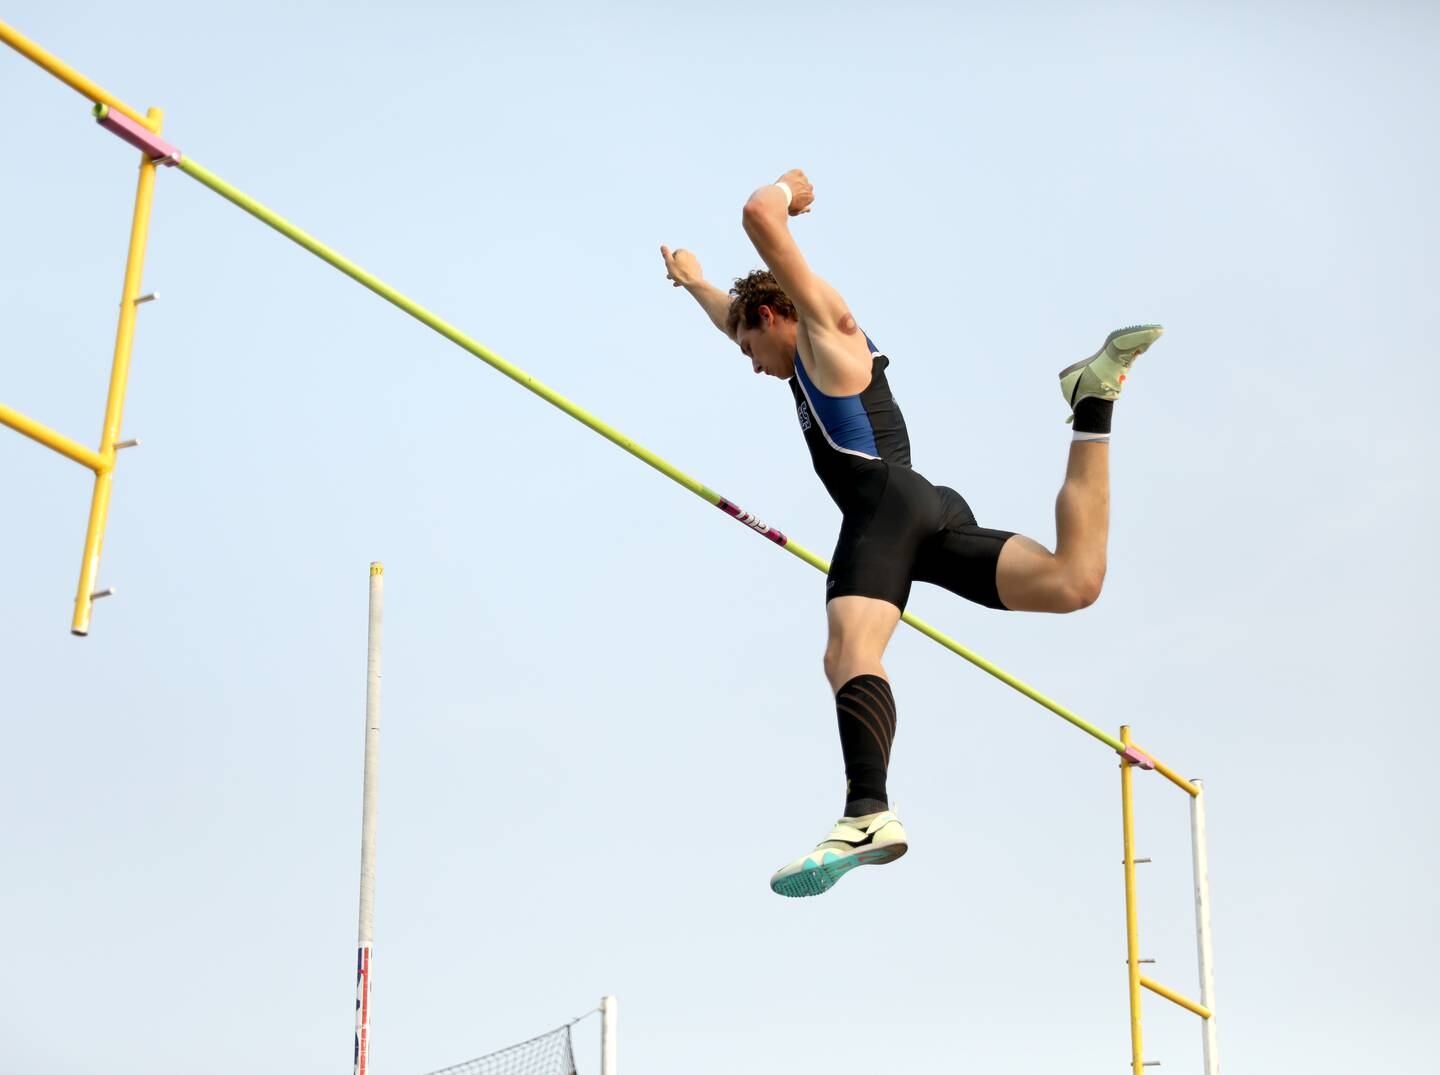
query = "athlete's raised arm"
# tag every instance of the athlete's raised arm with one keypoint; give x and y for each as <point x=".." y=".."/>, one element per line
<point x="836" y="344"/>
<point x="683" y="269"/>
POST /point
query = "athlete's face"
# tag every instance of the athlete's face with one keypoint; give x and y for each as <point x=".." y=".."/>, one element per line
<point x="770" y="347"/>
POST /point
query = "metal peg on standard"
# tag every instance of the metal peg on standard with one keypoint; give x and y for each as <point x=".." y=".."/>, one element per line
<point x="128" y="444"/>
<point x="109" y="591"/>
<point x="147" y="298"/>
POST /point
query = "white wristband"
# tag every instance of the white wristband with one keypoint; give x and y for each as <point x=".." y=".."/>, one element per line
<point x="789" y="197"/>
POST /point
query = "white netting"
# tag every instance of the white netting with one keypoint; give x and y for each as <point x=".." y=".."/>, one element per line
<point x="549" y="1054"/>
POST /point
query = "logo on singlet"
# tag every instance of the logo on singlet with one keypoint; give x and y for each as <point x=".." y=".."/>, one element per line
<point x="803" y="412"/>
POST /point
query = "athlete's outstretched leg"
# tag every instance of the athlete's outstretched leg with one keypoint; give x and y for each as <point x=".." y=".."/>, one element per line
<point x="1028" y="576"/>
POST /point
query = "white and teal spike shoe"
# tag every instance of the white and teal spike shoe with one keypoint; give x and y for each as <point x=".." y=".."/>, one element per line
<point x="1103" y="373"/>
<point x="854" y="841"/>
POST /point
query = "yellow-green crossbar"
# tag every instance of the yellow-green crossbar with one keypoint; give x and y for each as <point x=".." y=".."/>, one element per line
<point x="450" y="332"/>
<point x="190" y="167"/>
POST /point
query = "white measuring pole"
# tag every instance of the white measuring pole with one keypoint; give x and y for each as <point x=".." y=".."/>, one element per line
<point x="609" y="1039"/>
<point x="368" y="807"/>
<point x="1202" y="929"/>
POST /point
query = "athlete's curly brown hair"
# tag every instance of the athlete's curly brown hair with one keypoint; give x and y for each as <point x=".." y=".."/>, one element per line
<point x="752" y="292"/>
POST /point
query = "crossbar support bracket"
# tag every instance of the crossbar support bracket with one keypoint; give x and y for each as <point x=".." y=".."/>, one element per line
<point x="138" y="135"/>
<point x="1137" y="757"/>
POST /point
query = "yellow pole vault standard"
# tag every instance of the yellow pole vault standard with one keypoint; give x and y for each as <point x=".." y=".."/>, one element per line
<point x="1132" y="926"/>
<point x="140" y="131"/>
<point x="189" y="166"/>
<point x="119" y="379"/>
<point x="71" y="77"/>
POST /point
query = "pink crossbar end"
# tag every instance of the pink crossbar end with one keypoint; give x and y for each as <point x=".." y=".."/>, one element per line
<point x="139" y="136"/>
<point x="1136" y="757"/>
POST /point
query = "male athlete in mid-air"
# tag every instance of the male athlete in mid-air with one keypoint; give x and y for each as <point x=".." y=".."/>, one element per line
<point x="896" y="528"/>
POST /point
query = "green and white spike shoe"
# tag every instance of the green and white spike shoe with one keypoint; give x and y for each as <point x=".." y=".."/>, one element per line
<point x="854" y="841"/>
<point x="1103" y="373"/>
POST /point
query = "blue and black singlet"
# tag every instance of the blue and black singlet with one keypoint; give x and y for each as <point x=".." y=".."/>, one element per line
<point x="897" y="527"/>
<point x="844" y="433"/>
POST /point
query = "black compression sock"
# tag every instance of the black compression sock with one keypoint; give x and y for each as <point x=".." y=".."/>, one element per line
<point x="1092" y="415"/>
<point x="865" y="708"/>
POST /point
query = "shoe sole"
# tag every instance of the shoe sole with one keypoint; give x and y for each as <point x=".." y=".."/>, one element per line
<point x="1115" y="338"/>
<point x="823" y="878"/>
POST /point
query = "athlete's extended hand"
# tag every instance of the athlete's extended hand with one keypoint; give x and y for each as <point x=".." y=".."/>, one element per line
<point x="682" y="267"/>
<point x="802" y="194"/>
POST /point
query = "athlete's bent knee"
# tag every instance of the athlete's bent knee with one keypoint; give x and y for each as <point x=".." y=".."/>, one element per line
<point x="844" y="661"/>
<point x="1082" y="591"/>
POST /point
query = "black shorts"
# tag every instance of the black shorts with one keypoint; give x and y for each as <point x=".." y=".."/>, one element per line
<point x="899" y="529"/>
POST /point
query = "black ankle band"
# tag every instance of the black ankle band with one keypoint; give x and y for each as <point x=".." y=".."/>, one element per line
<point x="1092" y="415"/>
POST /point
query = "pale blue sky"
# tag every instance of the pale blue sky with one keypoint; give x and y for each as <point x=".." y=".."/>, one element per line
<point x="605" y="722"/>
